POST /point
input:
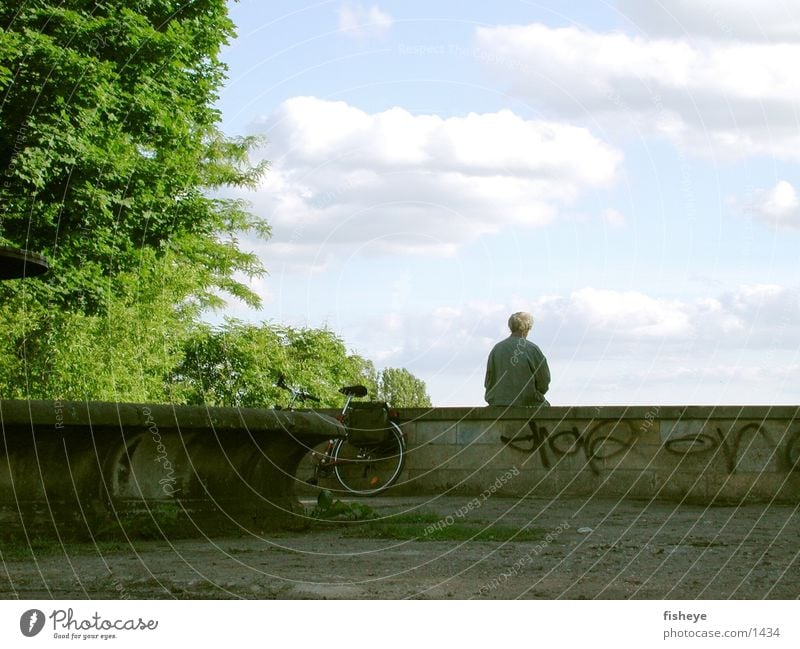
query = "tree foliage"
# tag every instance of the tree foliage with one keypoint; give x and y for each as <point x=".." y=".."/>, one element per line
<point x="110" y="144"/>
<point x="238" y="364"/>
<point x="109" y="154"/>
<point x="401" y="389"/>
<point x="125" y="353"/>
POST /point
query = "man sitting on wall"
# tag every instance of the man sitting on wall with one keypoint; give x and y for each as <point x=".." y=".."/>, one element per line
<point x="517" y="372"/>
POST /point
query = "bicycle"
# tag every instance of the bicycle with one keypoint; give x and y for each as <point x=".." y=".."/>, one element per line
<point x="369" y="459"/>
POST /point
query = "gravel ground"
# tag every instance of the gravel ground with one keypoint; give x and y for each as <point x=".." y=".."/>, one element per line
<point x="590" y="549"/>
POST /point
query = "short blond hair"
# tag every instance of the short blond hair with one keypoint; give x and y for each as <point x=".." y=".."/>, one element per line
<point x="520" y="322"/>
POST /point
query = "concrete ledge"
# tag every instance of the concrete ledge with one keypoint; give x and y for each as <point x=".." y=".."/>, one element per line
<point x="601" y="412"/>
<point x="80" y="467"/>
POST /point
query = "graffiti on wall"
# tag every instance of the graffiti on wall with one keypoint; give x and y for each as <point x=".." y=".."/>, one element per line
<point x="608" y="439"/>
<point x="601" y="441"/>
<point x="728" y="445"/>
<point x="791" y="454"/>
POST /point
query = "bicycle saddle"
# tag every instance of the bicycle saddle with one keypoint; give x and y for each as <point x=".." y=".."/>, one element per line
<point x="354" y="391"/>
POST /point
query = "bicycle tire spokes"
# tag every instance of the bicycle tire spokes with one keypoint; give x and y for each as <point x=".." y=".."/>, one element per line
<point x="364" y="466"/>
<point x="316" y="464"/>
<point x="369" y="470"/>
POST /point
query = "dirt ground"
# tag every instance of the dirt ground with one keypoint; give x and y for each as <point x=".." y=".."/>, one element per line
<point x="589" y="549"/>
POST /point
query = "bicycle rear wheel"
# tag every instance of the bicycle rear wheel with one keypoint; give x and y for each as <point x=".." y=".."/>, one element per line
<point x="370" y="470"/>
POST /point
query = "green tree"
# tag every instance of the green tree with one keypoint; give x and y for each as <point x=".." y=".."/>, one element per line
<point x="110" y="155"/>
<point x="401" y="389"/>
<point x="110" y="145"/>
<point x="126" y="353"/>
<point x="238" y="364"/>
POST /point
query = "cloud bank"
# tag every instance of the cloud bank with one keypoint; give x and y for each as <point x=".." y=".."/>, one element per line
<point x="394" y="182"/>
<point x="726" y="97"/>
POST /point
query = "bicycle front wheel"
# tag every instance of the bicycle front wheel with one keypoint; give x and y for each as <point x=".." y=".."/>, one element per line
<point x="370" y="470"/>
<point x="314" y="472"/>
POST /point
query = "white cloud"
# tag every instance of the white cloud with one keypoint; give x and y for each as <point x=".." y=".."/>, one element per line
<point x="613" y="217"/>
<point x="609" y="346"/>
<point x="594" y="323"/>
<point x="360" y="22"/>
<point x="726" y="98"/>
<point x="630" y="312"/>
<point x="396" y="182"/>
<point x="778" y="206"/>
<point x="762" y="316"/>
<point x="755" y="20"/>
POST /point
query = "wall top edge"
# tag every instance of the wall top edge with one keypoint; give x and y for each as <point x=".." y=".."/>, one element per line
<point x="102" y="414"/>
<point x="98" y="413"/>
<point x="603" y="412"/>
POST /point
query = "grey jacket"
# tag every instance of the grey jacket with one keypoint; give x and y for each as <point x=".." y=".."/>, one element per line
<point x="516" y="374"/>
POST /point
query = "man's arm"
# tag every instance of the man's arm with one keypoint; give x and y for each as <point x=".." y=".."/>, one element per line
<point x="488" y="380"/>
<point x="543" y="377"/>
<point x="542" y="373"/>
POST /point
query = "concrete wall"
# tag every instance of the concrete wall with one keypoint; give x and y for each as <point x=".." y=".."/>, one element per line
<point x="699" y="454"/>
<point x="73" y="466"/>
<point x="85" y="467"/>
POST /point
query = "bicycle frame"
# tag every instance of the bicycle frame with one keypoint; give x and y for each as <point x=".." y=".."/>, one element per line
<point x="342" y="452"/>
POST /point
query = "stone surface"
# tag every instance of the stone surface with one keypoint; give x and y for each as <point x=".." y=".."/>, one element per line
<point x="671" y="452"/>
<point x="76" y="465"/>
<point x="77" y="468"/>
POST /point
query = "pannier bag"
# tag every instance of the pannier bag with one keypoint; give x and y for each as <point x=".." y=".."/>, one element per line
<point x="368" y="423"/>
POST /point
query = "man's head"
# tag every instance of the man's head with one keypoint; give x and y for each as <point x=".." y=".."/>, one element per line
<point x="520" y="323"/>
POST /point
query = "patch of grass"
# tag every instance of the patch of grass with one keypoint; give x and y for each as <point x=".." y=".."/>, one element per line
<point x="262" y="548"/>
<point x="328" y="509"/>
<point x="432" y="527"/>
<point x="157" y="522"/>
<point x="18" y="549"/>
<point x="107" y="535"/>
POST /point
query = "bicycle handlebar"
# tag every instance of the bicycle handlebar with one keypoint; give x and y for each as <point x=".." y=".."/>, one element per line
<point x="302" y="395"/>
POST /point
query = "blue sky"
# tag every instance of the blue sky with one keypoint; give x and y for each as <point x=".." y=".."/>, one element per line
<point x="626" y="171"/>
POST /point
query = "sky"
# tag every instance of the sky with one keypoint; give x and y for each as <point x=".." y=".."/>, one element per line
<point x="626" y="171"/>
